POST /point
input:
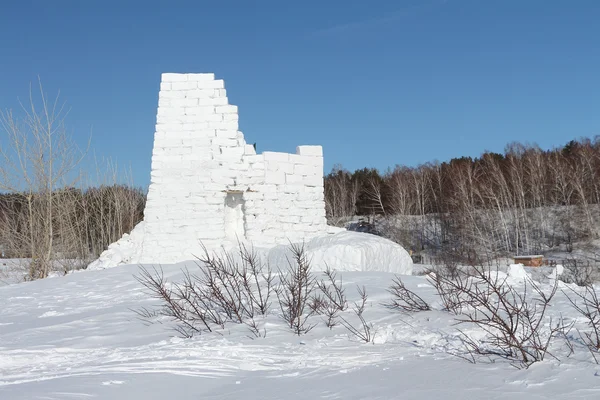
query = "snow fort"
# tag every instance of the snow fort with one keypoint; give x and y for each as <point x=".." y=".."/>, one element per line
<point x="209" y="188"/>
<point x="208" y="185"/>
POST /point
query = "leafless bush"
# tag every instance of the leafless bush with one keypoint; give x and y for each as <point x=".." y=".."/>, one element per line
<point x="447" y="263"/>
<point x="331" y="299"/>
<point x="447" y="276"/>
<point x="405" y="299"/>
<point x="363" y="331"/>
<point x="514" y="321"/>
<point x="295" y="291"/>
<point x="180" y="302"/>
<point x="255" y="329"/>
<point x="241" y="289"/>
<point x="588" y="305"/>
<point x="448" y="290"/>
<point x="333" y="290"/>
<point x="579" y="273"/>
<point x="225" y="290"/>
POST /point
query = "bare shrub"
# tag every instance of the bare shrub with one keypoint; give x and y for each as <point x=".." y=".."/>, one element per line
<point x="331" y="299"/>
<point x="295" y="291"/>
<point x="405" y="299"/>
<point x="448" y="290"/>
<point x="447" y="263"/>
<point x="447" y="276"/>
<point x="514" y="321"/>
<point x="579" y="273"/>
<point x="588" y="305"/>
<point x="255" y="329"/>
<point x="241" y="289"/>
<point x="180" y="302"/>
<point x="225" y="290"/>
<point x="333" y="290"/>
<point x="363" y="331"/>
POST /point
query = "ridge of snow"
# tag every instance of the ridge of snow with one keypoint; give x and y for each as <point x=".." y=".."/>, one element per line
<point x="338" y="248"/>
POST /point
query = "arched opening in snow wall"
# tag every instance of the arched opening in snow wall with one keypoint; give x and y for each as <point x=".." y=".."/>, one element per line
<point x="234" y="215"/>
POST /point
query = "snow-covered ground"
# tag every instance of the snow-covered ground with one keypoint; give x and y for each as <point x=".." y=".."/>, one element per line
<point x="13" y="270"/>
<point x="76" y="337"/>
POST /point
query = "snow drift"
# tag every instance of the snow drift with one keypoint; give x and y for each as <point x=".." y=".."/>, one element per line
<point x="350" y="251"/>
<point x="126" y="250"/>
<point x="340" y="250"/>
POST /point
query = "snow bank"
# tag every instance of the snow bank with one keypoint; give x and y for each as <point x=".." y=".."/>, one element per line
<point x="350" y="251"/>
<point x="556" y="272"/>
<point x="126" y="250"/>
<point x="515" y="275"/>
<point x="339" y="249"/>
<point x="517" y="272"/>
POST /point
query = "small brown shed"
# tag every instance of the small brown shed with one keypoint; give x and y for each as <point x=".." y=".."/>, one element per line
<point x="529" y="261"/>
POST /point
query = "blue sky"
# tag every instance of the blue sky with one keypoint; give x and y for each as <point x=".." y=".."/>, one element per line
<point x="377" y="83"/>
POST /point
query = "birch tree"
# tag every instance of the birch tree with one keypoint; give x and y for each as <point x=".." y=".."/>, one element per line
<point x="37" y="156"/>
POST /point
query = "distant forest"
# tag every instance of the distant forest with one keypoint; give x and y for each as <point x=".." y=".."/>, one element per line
<point x="84" y="223"/>
<point x="526" y="200"/>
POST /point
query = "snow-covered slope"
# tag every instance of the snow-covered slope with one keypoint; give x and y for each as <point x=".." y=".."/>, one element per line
<point x="75" y="337"/>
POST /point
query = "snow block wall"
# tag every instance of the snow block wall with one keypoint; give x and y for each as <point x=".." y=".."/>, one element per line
<point x="208" y="186"/>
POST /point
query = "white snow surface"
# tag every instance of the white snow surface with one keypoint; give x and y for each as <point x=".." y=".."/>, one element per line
<point x="340" y="249"/>
<point x="350" y="251"/>
<point x="76" y="337"/>
<point x="516" y="272"/>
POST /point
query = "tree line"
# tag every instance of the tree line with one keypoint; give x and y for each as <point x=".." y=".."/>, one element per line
<point x="523" y="201"/>
<point x="84" y="223"/>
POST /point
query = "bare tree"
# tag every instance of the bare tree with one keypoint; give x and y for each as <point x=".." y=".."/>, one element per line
<point x="38" y="156"/>
<point x="341" y="194"/>
<point x="401" y="200"/>
<point x="374" y="192"/>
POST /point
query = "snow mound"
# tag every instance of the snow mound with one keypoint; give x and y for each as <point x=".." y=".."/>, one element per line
<point x="126" y="250"/>
<point x="517" y="272"/>
<point x="350" y="251"/>
<point x="338" y="248"/>
<point x="556" y="272"/>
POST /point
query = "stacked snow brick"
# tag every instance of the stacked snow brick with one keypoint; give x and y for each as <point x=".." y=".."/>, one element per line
<point x="208" y="186"/>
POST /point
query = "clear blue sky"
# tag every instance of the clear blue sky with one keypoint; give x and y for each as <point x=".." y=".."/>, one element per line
<point x="377" y="83"/>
